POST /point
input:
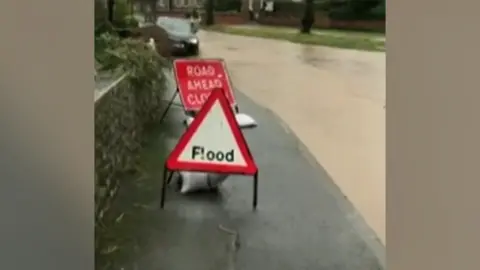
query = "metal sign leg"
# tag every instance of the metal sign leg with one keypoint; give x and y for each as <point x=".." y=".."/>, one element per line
<point x="170" y="103"/>
<point x="255" y="191"/>
<point x="166" y="179"/>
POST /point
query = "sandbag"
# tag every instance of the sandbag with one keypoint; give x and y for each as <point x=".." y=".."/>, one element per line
<point x="200" y="181"/>
<point x="188" y="121"/>
<point x="243" y="120"/>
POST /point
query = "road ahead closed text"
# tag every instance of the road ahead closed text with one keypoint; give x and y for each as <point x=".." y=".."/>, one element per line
<point x="197" y="78"/>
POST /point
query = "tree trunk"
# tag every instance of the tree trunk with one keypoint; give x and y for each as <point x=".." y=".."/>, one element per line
<point x="308" y="17"/>
<point x="245" y="8"/>
<point x="110" y="9"/>
<point x="210" y="12"/>
<point x="153" y="10"/>
<point x="143" y="9"/>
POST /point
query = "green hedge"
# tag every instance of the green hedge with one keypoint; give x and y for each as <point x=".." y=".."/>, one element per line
<point x="228" y="5"/>
<point x="359" y="10"/>
<point x="340" y="10"/>
<point x="121" y="14"/>
<point x="292" y="8"/>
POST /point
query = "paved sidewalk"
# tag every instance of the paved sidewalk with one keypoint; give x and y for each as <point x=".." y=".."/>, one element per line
<point x="302" y="220"/>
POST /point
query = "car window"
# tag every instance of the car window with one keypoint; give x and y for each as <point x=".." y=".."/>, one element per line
<point x="175" y="25"/>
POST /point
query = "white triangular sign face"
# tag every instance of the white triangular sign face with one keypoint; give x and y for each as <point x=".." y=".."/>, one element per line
<point x="213" y="142"/>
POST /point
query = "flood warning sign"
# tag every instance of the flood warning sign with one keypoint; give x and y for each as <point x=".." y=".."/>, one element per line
<point x="213" y="142"/>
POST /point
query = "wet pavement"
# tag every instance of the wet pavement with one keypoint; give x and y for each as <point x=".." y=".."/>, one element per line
<point x="302" y="222"/>
<point x="333" y="101"/>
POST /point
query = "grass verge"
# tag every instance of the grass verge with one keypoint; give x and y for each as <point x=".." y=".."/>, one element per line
<point x="128" y="229"/>
<point x="329" y="38"/>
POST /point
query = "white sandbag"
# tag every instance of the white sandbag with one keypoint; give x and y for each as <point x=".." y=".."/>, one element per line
<point x="243" y="120"/>
<point x="198" y="181"/>
<point x="188" y="121"/>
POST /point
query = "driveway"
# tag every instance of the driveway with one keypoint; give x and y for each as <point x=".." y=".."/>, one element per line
<point x="332" y="99"/>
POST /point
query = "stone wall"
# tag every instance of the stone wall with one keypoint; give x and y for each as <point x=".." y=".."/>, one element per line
<point x="121" y="115"/>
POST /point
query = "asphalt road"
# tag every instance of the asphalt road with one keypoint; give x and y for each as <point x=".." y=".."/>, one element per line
<point x="302" y="222"/>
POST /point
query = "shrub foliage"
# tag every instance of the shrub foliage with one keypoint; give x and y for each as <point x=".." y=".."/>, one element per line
<point x="142" y="65"/>
<point x="131" y="56"/>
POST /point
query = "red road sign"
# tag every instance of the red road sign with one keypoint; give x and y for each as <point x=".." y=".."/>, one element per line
<point x="213" y="142"/>
<point x="196" y="78"/>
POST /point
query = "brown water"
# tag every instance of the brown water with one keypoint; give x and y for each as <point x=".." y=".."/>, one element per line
<point x="332" y="99"/>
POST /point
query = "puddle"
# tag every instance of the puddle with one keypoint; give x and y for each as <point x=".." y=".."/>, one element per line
<point x="315" y="57"/>
<point x="309" y="56"/>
